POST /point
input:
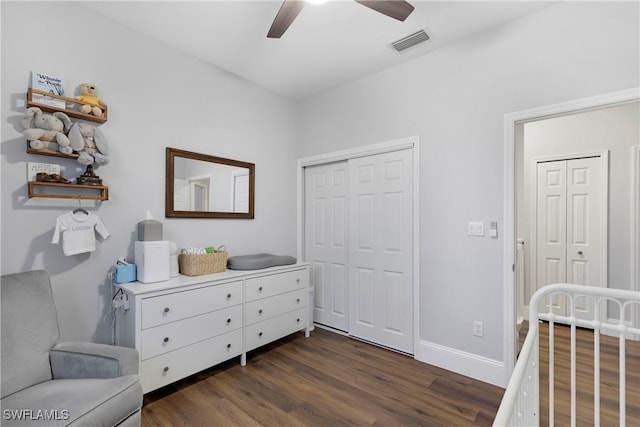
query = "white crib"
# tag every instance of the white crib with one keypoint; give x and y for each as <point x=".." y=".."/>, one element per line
<point x="520" y="404"/>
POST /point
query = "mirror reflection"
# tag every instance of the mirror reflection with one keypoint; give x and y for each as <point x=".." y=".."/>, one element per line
<point x="203" y="186"/>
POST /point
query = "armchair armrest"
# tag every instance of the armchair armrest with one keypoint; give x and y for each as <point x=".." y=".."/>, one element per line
<point x="91" y="360"/>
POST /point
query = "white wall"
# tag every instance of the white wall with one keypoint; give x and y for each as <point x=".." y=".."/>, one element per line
<point x="157" y="97"/>
<point x="455" y="99"/>
<point x="615" y="129"/>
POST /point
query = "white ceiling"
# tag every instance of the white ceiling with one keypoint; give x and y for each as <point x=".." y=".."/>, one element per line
<point x="326" y="46"/>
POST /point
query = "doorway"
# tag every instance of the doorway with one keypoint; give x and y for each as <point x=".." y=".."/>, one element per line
<point x="569" y="216"/>
<point x="514" y="132"/>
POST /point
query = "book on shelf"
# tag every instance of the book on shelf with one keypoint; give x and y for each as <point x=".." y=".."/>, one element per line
<point x="33" y="169"/>
<point x="50" y="84"/>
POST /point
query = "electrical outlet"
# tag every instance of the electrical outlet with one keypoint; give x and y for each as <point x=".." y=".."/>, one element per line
<point x="477" y="329"/>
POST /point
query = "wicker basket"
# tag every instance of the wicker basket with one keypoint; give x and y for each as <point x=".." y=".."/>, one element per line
<point x="196" y="265"/>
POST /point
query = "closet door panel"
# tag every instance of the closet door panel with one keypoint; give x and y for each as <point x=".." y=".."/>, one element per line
<point x="381" y="242"/>
<point x="326" y="241"/>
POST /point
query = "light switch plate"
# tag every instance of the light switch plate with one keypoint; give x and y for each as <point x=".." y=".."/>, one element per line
<point x="476" y="228"/>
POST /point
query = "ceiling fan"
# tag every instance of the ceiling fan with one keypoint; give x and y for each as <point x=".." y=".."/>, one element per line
<point x="397" y="9"/>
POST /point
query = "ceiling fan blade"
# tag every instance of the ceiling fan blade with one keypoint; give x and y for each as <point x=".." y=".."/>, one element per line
<point x="397" y="9"/>
<point x="287" y="13"/>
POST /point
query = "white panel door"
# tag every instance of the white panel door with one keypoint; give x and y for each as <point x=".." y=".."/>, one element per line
<point x="181" y="199"/>
<point x="240" y="201"/>
<point x="326" y="241"/>
<point x="569" y="210"/>
<point x="551" y="227"/>
<point x="584" y="252"/>
<point x="381" y="247"/>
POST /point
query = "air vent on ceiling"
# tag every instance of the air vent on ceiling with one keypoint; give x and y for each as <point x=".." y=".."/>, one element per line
<point x="410" y="41"/>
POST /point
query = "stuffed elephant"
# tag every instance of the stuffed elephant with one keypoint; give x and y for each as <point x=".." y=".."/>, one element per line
<point x="89" y="142"/>
<point x="54" y="126"/>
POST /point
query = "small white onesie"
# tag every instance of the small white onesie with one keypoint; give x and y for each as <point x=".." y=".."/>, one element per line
<point x="77" y="231"/>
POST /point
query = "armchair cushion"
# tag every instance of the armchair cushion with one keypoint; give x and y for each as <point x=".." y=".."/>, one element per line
<point x="77" y="402"/>
<point x="90" y="360"/>
<point x="29" y="329"/>
<point x="49" y="384"/>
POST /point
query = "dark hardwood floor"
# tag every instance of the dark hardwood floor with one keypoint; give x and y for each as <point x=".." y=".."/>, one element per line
<point x="609" y="378"/>
<point x="325" y="380"/>
<point x="333" y="380"/>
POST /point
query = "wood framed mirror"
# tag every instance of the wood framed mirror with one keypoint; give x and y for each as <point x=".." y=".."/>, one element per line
<point x="203" y="186"/>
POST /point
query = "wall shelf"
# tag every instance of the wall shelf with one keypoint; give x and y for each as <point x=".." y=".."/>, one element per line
<point x="48" y="152"/>
<point x="104" y="191"/>
<point x="59" y="190"/>
<point x="69" y="112"/>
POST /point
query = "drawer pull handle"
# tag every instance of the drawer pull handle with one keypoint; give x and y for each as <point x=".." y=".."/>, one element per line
<point x="259" y="334"/>
<point x="298" y="280"/>
<point x="260" y="289"/>
<point x="165" y="369"/>
<point x="228" y="321"/>
<point x="298" y="320"/>
<point x="260" y="311"/>
<point x="228" y="346"/>
<point x="298" y="300"/>
<point x="166" y="339"/>
<point x="228" y="296"/>
<point x="166" y="309"/>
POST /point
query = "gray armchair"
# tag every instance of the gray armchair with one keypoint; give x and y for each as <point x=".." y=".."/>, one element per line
<point x="58" y="384"/>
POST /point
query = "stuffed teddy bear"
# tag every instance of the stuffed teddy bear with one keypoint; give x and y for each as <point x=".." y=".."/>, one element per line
<point x="53" y="126"/>
<point x="89" y="142"/>
<point x="89" y="95"/>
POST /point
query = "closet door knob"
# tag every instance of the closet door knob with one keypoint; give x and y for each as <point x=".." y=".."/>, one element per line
<point x="166" y="339"/>
<point x="166" y="309"/>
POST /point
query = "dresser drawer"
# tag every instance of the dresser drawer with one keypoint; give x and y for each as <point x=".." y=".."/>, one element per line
<point x="169" y="337"/>
<point x="180" y="305"/>
<point x="263" y="333"/>
<point x="169" y="367"/>
<point x="267" y="308"/>
<point x="274" y="284"/>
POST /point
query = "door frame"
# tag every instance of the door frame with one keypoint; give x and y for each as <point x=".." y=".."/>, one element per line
<point x="412" y="143"/>
<point x="509" y="178"/>
<point x="634" y="250"/>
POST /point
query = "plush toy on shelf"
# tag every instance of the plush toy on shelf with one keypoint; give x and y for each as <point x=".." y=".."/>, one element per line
<point x="90" y="144"/>
<point x="41" y="129"/>
<point x="89" y="96"/>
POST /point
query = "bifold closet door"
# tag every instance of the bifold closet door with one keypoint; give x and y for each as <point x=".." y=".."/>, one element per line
<point x="326" y="241"/>
<point x="569" y="206"/>
<point x="381" y="249"/>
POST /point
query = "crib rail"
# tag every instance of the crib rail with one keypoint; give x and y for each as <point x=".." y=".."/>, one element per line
<point x="520" y="404"/>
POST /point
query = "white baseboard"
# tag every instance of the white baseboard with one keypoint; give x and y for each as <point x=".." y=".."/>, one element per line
<point x="467" y="364"/>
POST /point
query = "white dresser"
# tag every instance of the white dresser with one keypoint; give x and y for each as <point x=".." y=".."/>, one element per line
<point x="187" y="324"/>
